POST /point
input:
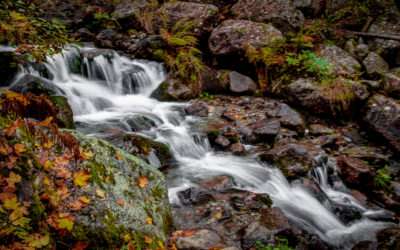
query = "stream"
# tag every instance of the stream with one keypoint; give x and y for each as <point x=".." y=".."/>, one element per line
<point x="115" y="89"/>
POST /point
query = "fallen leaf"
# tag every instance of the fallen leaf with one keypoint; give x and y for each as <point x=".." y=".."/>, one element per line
<point x="80" y="245"/>
<point x="86" y="155"/>
<point x="143" y="182"/>
<point x="76" y="205"/>
<point x="81" y="177"/>
<point x="118" y="156"/>
<point x="189" y="233"/>
<point x="19" y="148"/>
<point x="148" y="240"/>
<point x="130" y="246"/>
<point x="13" y="126"/>
<point x="121" y="203"/>
<point x="100" y="193"/>
<point x="12" y="179"/>
<point x="126" y="238"/>
<point x="11" y="204"/>
<point x="85" y="201"/>
<point x="65" y="223"/>
<point x="160" y="243"/>
<point x="107" y="179"/>
<point x="149" y="220"/>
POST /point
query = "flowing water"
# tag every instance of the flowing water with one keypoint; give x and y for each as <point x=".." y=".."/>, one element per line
<point x="114" y="89"/>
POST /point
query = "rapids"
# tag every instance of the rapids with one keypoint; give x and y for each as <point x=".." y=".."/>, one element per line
<point x="114" y="89"/>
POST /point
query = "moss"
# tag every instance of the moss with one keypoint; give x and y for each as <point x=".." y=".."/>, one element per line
<point x="264" y="199"/>
<point x="144" y="144"/>
<point x="157" y="192"/>
<point x="213" y="134"/>
<point x="213" y="11"/>
<point x="65" y="116"/>
<point x="235" y="137"/>
<point x="98" y="173"/>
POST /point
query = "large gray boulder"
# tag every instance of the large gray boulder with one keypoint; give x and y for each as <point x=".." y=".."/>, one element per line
<point x="281" y="13"/>
<point x="391" y="83"/>
<point x="375" y="66"/>
<point x="127" y="11"/>
<point x="382" y="116"/>
<point x="340" y="61"/>
<point x="361" y="51"/>
<point x="241" y="84"/>
<point x="288" y="117"/>
<point x="206" y="14"/>
<point x="231" y="37"/>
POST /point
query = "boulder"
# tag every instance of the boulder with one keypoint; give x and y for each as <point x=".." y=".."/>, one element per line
<point x="84" y="35"/>
<point x="203" y="240"/>
<point x="308" y="7"/>
<point x="287" y="117"/>
<point x="391" y="83"/>
<point x="267" y="130"/>
<point x="356" y="173"/>
<point x="174" y="89"/>
<point x="215" y="81"/>
<point x="254" y="233"/>
<point x="350" y="46"/>
<point x="387" y="24"/>
<point x="381" y="115"/>
<point x="145" y="48"/>
<point x="207" y="16"/>
<point x="37" y="86"/>
<point x="197" y="110"/>
<point x="222" y="5"/>
<point x="221" y="184"/>
<point x="352" y="135"/>
<point x="64" y="115"/>
<point x="240" y="84"/>
<point x="60" y="17"/>
<point x="340" y="61"/>
<point x="326" y="141"/>
<point x="69" y="10"/>
<point x="281" y="13"/>
<point x="389" y="238"/>
<point x="127" y="11"/>
<point x="336" y="4"/>
<point x="106" y="38"/>
<point x="194" y="196"/>
<point x="238" y="149"/>
<point x="222" y="141"/>
<point x="106" y="6"/>
<point x="361" y="51"/>
<point x="318" y="129"/>
<point x="231" y="37"/>
<point x="375" y="66"/>
<point x="365" y="245"/>
<point x="372" y="85"/>
<point x="387" y="202"/>
<point x="104" y="222"/>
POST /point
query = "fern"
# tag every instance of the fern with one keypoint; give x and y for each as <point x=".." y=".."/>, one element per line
<point x="382" y="179"/>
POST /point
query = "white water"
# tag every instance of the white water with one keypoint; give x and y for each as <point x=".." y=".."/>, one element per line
<point x="110" y="94"/>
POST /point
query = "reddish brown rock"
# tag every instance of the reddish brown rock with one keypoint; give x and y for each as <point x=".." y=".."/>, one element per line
<point x="356" y="173"/>
<point x="238" y="148"/>
<point x="389" y="238"/>
<point x="222" y="141"/>
<point x="218" y="183"/>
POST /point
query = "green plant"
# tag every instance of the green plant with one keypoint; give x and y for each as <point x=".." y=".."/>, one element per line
<point x="206" y="96"/>
<point x="21" y="25"/>
<point x="241" y="31"/>
<point x="282" y="245"/>
<point x="213" y="11"/>
<point x="382" y="179"/>
<point x="103" y="21"/>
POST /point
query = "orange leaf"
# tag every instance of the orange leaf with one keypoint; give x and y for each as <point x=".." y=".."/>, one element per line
<point x="121" y="203"/>
<point x="143" y="182"/>
<point x="80" y="245"/>
<point x="85" y="201"/>
<point x="76" y="205"/>
<point x="19" y="147"/>
<point x="148" y="240"/>
<point x="130" y="246"/>
<point x="189" y="233"/>
<point x="12" y="127"/>
<point x="118" y="156"/>
<point x="149" y="220"/>
<point x="46" y="122"/>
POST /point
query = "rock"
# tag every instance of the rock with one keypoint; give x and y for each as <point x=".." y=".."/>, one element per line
<point x="197" y="110"/>
<point x="202" y="240"/>
<point x="127" y="11"/>
<point x="375" y="66"/>
<point x="353" y="135"/>
<point x="388" y="24"/>
<point x="361" y="51"/>
<point x="312" y="188"/>
<point x="391" y="83"/>
<point x="294" y="158"/>
<point x="318" y="129"/>
<point x="287" y="134"/>
<point x="308" y="7"/>
<point x="231" y="37"/>
<point x="389" y="238"/>
<point x="336" y="4"/>
<point x="215" y="81"/>
<point x="60" y="17"/>
<point x="222" y="141"/>
<point x="7" y="72"/>
<point x="206" y="14"/>
<point x="381" y="115"/>
<point x="100" y="231"/>
<point x="145" y="48"/>
<point x="365" y="245"/>
<point x="221" y="184"/>
<point x="372" y="85"/>
<point x="174" y="89"/>
<point x="106" y="6"/>
<point x="142" y="147"/>
<point x="240" y="84"/>
<point x="356" y="174"/>
<point x="360" y="197"/>
<point x="84" y="34"/>
<point x="90" y="13"/>
<point x="349" y="46"/>
<point x="238" y="149"/>
<point x="65" y="115"/>
<point x="287" y="117"/>
<point x="370" y="157"/>
<point x="106" y="38"/>
<point x="313" y="242"/>
<point x="341" y="62"/>
<point x="281" y="13"/>
<point x="230" y="248"/>
<point x="267" y="130"/>
<point x="327" y="141"/>
<point x="387" y="202"/>
<point x="69" y="10"/>
<point x="91" y="54"/>
<point x="348" y="214"/>
<point x="194" y="196"/>
<point x="256" y="232"/>
<point x="37" y="86"/>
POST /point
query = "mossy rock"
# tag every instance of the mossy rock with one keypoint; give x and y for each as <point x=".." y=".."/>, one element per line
<point x="65" y="115"/>
<point x="105" y="223"/>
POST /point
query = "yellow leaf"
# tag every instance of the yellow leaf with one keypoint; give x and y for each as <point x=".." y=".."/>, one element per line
<point x="16" y="16"/>
<point x="160" y="243"/>
<point x="48" y="144"/>
<point x="16" y="217"/>
<point x="48" y="165"/>
<point x="84" y="199"/>
<point x="107" y="179"/>
<point x="100" y="193"/>
<point x="149" y="220"/>
<point x="118" y="156"/>
<point x="2" y="210"/>
<point x="86" y="155"/>
<point x="81" y="178"/>
<point x="148" y="240"/>
<point x="13" y="178"/>
<point x="219" y="215"/>
<point x="46" y="182"/>
<point x="65" y="223"/>
<point x="11" y="204"/>
<point x="126" y="238"/>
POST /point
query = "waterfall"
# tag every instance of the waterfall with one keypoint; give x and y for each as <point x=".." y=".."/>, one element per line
<point x="113" y="91"/>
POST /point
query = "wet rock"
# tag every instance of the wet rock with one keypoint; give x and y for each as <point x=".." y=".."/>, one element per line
<point x="348" y="214"/>
<point x="389" y="238"/>
<point x="360" y="197"/>
<point x="267" y="130"/>
<point x="353" y="135"/>
<point x="308" y="7"/>
<point x="281" y="13"/>
<point x="312" y="188"/>
<point x="391" y="83"/>
<point x="370" y="157"/>
<point x="387" y="25"/>
<point x="342" y="63"/>
<point x="37" y="86"/>
<point x="127" y="11"/>
<point x="240" y="84"/>
<point x="174" y="89"/>
<point x="106" y="38"/>
<point x="228" y="116"/>
<point x="326" y="141"/>
<point x="313" y="242"/>
<point x="197" y="110"/>
<point x="220" y="184"/>
<point x="361" y="51"/>
<point x="318" y="129"/>
<point x="256" y="232"/>
<point x="287" y="134"/>
<point x="202" y="240"/>
<point x="194" y="196"/>
<point x="91" y="54"/>
<point x="381" y="115"/>
<point x="238" y="149"/>
<point x="356" y="174"/>
<point x="231" y="37"/>
<point x="372" y="85"/>
<point x="386" y="201"/>
<point x="84" y="34"/>
<point x="145" y="48"/>
<point x="375" y="66"/>
<point x="287" y="117"/>
<point x="365" y="245"/>
<point x="222" y="141"/>
<point x="64" y="115"/>
<point x="215" y="81"/>
<point x="349" y="46"/>
<point x="206" y="14"/>
<point x="68" y="9"/>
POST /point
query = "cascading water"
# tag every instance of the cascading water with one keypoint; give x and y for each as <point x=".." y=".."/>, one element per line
<point x="114" y="89"/>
